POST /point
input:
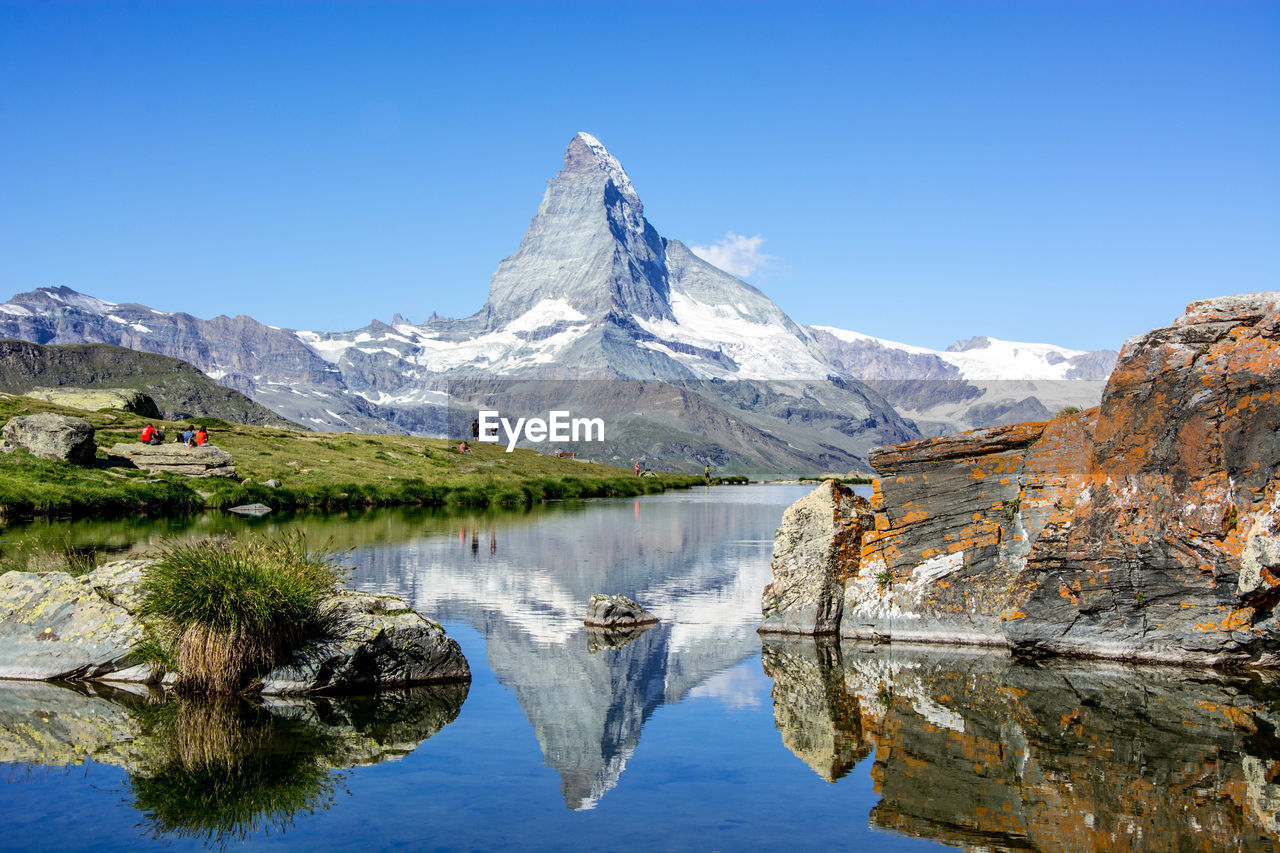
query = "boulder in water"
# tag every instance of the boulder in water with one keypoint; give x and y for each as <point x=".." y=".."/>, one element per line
<point x="616" y="611"/>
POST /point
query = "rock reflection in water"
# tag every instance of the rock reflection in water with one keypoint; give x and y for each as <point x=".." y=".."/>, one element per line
<point x="219" y="771"/>
<point x="973" y="748"/>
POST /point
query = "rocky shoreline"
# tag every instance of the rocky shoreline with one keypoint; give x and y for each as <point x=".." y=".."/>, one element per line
<point x="1144" y="529"/>
<point x="57" y="627"/>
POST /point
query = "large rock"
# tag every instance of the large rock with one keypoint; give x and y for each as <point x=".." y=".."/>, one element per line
<point x="55" y="626"/>
<point x="1168" y="551"/>
<point x="378" y="642"/>
<point x="51" y="436"/>
<point x="203" y="461"/>
<point x="954" y="520"/>
<point x="93" y="399"/>
<point x="616" y="611"/>
<point x="816" y="550"/>
<point x="1146" y="529"/>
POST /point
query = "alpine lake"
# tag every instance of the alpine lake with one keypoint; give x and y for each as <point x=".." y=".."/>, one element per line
<point x="694" y="734"/>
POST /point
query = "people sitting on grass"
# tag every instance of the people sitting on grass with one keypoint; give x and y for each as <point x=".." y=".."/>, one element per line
<point x="464" y="447"/>
<point x="151" y="435"/>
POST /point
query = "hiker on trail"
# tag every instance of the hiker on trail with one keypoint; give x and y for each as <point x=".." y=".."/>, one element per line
<point x="151" y="435"/>
<point x="637" y="467"/>
<point x="475" y="430"/>
<point x="706" y="472"/>
<point x="202" y="437"/>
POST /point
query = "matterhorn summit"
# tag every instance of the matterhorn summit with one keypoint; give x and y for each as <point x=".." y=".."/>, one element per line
<point x="588" y="253"/>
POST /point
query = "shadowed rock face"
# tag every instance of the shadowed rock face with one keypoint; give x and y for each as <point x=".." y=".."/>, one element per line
<point x="1145" y="529"/>
<point x="980" y="749"/>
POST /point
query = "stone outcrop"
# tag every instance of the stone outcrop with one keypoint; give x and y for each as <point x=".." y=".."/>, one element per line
<point x="50" y="436"/>
<point x="1144" y="529"/>
<point x="816" y="551"/>
<point x="379" y="642"/>
<point x="616" y="611"/>
<point x="977" y="749"/>
<point x="203" y="461"/>
<point x="93" y="399"/>
<point x="54" y="626"/>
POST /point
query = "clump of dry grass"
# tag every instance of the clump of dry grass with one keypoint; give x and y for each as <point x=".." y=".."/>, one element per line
<point x="229" y="611"/>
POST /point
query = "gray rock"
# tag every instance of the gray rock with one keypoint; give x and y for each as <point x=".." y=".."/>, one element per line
<point x="51" y="436"/>
<point x="272" y="483"/>
<point x="55" y="626"/>
<point x="377" y="642"/>
<point x="816" y="549"/>
<point x="616" y="611"/>
<point x="204" y="461"/>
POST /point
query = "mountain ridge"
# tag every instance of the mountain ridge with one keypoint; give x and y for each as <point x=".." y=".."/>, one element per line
<point x="593" y="291"/>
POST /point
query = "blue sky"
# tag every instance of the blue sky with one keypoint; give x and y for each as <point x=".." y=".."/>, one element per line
<point x="1066" y="172"/>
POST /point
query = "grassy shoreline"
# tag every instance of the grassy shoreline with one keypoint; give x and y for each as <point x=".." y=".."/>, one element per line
<point x="315" y="470"/>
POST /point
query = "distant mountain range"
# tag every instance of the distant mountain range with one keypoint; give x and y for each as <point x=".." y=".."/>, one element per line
<point x="704" y="368"/>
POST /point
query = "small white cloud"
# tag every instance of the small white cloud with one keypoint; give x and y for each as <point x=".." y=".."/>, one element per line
<point x="735" y="254"/>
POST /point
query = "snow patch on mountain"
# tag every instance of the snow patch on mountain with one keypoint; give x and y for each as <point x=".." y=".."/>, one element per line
<point x="985" y="358"/>
<point x="761" y="350"/>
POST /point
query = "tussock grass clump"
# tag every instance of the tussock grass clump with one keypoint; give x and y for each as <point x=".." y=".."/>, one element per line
<point x="231" y="610"/>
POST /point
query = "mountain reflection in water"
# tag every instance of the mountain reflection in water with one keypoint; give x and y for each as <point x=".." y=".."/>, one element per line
<point x="696" y="559"/>
<point x="972" y="748"/>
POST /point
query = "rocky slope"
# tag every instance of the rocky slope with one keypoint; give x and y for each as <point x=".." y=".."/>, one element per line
<point x="1144" y="529"/>
<point x="179" y="390"/>
<point x="592" y="292"/>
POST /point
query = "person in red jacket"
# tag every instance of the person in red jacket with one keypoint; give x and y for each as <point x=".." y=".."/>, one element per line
<point x="202" y="437"/>
<point x="151" y="435"/>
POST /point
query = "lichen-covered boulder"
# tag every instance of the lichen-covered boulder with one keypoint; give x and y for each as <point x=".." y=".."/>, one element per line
<point x="93" y="399"/>
<point x="376" y="642"/>
<point x="55" y="626"/>
<point x="203" y="461"/>
<point x="616" y="611"/>
<point x="50" y="436"/>
<point x="1168" y="550"/>
<point x="815" y="550"/>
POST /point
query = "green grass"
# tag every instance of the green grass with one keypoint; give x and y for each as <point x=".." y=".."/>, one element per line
<point x="229" y="610"/>
<point x="32" y="486"/>
<point x="316" y="470"/>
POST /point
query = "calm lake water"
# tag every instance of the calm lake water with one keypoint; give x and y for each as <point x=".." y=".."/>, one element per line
<point x="694" y="734"/>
